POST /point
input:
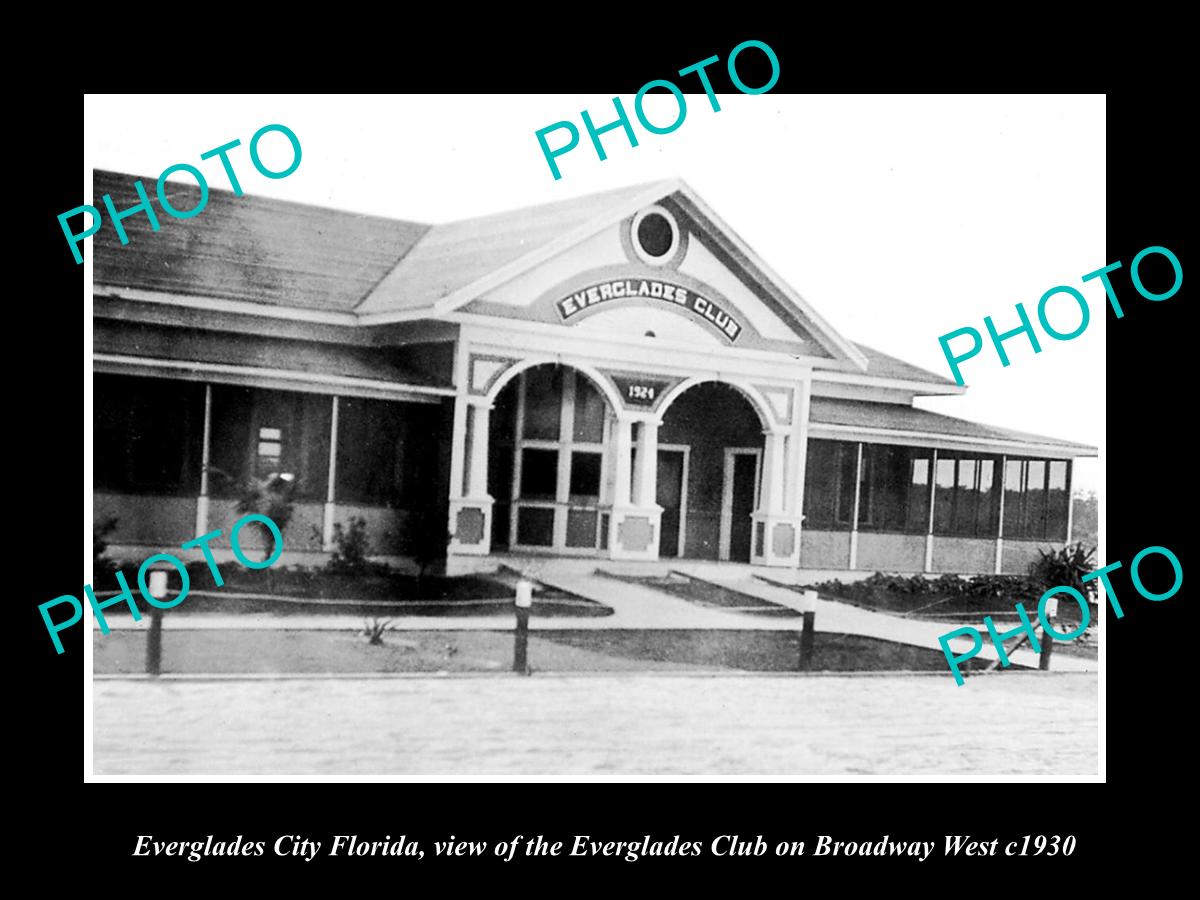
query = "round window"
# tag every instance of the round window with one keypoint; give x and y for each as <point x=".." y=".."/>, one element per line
<point x="655" y="235"/>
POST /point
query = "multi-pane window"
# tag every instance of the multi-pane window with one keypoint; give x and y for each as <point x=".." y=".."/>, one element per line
<point x="895" y="489"/>
<point x="1036" y="499"/>
<point x="829" y="484"/>
<point x="966" y="502"/>
<point x="148" y="434"/>
<point x="559" y="421"/>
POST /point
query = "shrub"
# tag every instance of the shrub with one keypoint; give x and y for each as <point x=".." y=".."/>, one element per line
<point x="351" y="547"/>
<point x="102" y="568"/>
<point x="1065" y="566"/>
<point x="374" y="630"/>
<point x="270" y="497"/>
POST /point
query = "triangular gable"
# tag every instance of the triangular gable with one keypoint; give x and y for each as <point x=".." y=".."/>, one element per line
<point x="515" y="269"/>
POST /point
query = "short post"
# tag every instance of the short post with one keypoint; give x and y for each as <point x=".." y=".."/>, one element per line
<point x="158" y="590"/>
<point x="1047" y="640"/>
<point x="808" y="636"/>
<point x="524" y="601"/>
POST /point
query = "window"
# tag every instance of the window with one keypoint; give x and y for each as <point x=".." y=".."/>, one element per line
<point x="257" y="433"/>
<point x="829" y="484"/>
<point x="965" y="502"/>
<point x="895" y="489"/>
<point x="148" y="434"/>
<point x="539" y="474"/>
<point x="270" y="451"/>
<point x="654" y="235"/>
<point x="1036" y="499"/>
<point x="560" y="419"/>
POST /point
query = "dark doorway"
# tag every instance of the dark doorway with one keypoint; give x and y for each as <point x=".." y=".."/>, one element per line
<point x="670" y="498"/>
<point x="741" y="504"/>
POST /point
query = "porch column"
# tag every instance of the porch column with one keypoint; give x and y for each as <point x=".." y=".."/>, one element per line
<point x="646" y="474"/>
<point x="933" y="463"/>
<point x="202" y="499"/>
<point x="470" y="503"/>
<point x="775" y="529"/>
<point x="797" y="450"/>
<point x="858" y="470"/>
<point x="330" y="489"/>
<point x="623" y="453"/>
<point x="1070" y="500"/>
<point x="636" y="515"/>
<point x="1000" y="522"/>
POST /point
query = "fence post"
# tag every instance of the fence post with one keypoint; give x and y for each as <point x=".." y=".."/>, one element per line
<point x="158" y="590"/>
<point x="807" y="637"/>
<point x="1048" y="641"/>
<point x="524" y="600"/>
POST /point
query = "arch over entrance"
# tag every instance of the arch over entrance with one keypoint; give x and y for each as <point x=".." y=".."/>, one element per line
<point x="710" y="461"/>
<point x="749" y="394"/>
<point x="550" y="461"/>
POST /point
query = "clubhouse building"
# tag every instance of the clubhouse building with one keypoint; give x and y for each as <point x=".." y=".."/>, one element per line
<point x="615" y="376"/>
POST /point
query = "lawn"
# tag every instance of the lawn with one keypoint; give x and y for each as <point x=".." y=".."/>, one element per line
<point x="260" y="651"/>
<point x="377" y="594"/>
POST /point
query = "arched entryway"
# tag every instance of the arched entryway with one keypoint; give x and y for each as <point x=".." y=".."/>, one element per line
<point x="548" y="462"/>
<point x="710" y="457"/>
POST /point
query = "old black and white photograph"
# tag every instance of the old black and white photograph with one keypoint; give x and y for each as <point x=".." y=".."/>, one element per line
<point x="687" y="436"/>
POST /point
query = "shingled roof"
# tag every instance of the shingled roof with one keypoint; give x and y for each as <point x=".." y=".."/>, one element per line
<point x="894" y="417"/>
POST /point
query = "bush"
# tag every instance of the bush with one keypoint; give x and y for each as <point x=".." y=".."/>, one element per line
<point x="1065" y="567"/>
<point x="101" y="529"/>
<point x="270" y="497"/>
<point x="351" y="548"/>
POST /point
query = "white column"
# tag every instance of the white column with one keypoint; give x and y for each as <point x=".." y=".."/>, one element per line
<point x="646" y="476"/>
<point x="458" y="447"/>
<point x="1003" y="482"/>
<point x="798" y="449"/>
<point x="330" y="489"/>
<point x="206" y="440"/>
<point x="478" y="472"/>
<point x="932" y="498"/>
<point x="858" y="469"/>
<point x="771" y="498"/>
<point x="623" y="440"/>
<point x="1070" y="499"/>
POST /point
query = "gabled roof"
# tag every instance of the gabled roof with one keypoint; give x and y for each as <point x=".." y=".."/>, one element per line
<point x="880" y="365"/>
<point x="891" y="417"/>
<point x="452" y="257"/>
<point x="247" y="252"/>
<point x="248" y="249"/>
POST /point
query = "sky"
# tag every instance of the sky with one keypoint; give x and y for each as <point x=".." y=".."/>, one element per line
<point x="900" y="219"/>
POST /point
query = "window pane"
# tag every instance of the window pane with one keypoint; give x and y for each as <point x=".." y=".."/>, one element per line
<point x="943" y="501"/>
<point x="535" y="526"/>
<point x="539" y="474"/>
<point x="148" y="434"/>
<point x="1014" y="499"/>
<point x="829" y="484"/>
<point x="1057" y="502"/>
<point x="585" y="477"/>
<point x="581" y="527"/>
<point x="589" y="412"/>
<point x="543" y="402"/>
<point x="270" y="434"/>
<point x="887" y="492"/>
<point x="847" y="470"/>
<point x="917" y="521"/>
<point x="1035" y="499"/>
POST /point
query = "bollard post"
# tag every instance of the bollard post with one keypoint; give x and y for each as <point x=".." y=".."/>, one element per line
<point x="524" y="600"/>
<point x="807" y="637"/>
<point x="158" y="590"/>
<point x="1047" y="640"/>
